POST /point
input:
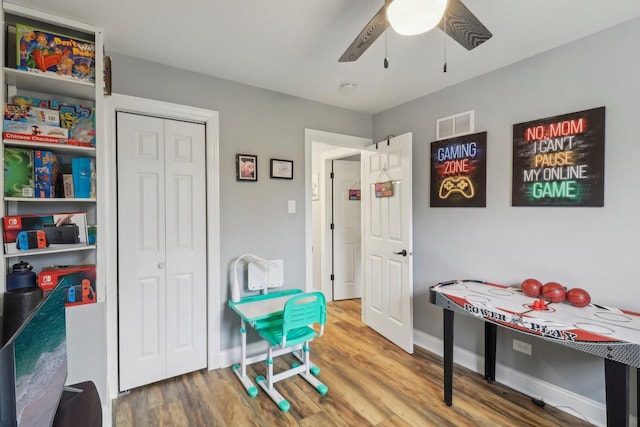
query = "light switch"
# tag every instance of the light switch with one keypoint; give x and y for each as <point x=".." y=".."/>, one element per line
<point x="292" y="206"/>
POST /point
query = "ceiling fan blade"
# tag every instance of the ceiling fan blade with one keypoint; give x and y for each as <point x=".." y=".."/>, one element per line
<point x="463" y="26"/>
<point x="367" y="36"/>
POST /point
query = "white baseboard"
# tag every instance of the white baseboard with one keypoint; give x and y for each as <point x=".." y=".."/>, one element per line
<point x="565" y="400"/>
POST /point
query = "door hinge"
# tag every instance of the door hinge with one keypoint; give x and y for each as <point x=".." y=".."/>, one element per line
<point x="332" y="226"/>
<point x="333" y="277"/>
<point x="332" y="175"/>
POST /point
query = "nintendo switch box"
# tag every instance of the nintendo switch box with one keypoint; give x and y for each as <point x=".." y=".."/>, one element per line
<point x="78" y="281"/>
<point x="26" y="232"/>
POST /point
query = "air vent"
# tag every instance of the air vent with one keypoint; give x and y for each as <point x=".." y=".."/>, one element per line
<point x="456" y="125"/>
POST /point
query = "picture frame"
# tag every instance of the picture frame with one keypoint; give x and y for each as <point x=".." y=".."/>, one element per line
<point x="246" y="167"/>
<point x="281" y="169"/>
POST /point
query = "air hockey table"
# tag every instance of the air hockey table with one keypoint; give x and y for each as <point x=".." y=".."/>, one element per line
<point x="610" y="333"/>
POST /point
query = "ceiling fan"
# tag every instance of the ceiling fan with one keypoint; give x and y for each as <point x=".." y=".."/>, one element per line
<point x="461" y="25"/>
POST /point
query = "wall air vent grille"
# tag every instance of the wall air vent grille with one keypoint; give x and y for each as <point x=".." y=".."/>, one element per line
<point x="456" y="125"/>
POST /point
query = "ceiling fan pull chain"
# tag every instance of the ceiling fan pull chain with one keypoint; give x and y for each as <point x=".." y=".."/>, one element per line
<point x="386" y="58"/>
<point x="444" y="67"/>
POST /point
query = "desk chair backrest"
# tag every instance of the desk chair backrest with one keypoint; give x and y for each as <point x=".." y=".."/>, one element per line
<point x="300" y="313"/>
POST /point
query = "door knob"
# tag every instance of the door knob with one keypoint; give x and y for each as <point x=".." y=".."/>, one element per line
<point x="402" y="252"/>
<point x="161" y="265"/>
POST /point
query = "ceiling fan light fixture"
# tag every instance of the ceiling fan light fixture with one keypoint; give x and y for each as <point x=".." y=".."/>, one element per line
<point x="413" y="17"/>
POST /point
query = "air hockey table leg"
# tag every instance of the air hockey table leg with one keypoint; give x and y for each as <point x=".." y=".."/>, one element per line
<point x="448" y="356"/>
<point x="490" y="333"/>
<point x="616" y="377"/>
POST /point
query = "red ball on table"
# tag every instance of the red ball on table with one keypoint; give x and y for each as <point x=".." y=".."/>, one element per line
<point x="554" y="292"/>
<point x="578" y="297"/>
<point x="531" y="287"/>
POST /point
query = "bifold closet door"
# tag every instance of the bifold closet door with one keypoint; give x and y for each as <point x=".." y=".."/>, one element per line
<point x="161" y="248"/>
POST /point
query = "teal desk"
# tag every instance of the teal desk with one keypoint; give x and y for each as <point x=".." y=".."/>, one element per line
<point x="260" y="311"/>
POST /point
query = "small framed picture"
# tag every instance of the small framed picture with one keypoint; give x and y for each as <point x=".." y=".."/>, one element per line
<point x="246" y="167"/>
<point x="282" y="169"/>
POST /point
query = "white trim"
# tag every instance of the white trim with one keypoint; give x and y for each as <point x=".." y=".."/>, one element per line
<point x="339" y="140"/>
<point x="167" y="110"/>
<point x="565" y="400"/>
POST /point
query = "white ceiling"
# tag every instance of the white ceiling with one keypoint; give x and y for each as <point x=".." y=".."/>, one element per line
<point x="293" y="46"/>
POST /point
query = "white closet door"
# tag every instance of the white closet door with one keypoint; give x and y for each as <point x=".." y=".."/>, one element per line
<point x="186" y="247"/>
<point x="161" y="249"/>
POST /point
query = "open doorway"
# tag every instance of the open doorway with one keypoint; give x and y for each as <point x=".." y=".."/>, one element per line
<point x="343" y="255"/>
<point x="322" y="149"/>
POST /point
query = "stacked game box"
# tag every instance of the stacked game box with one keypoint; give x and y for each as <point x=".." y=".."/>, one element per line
<point x="46" y="175"/>
<point x="78" y="281"/>
<point x="78" y="119"/>
<point x="30" y="123"/>
<point x="31" y="114"/>
<point x="41" y="51"/>
<point x="31" y="173"/>
<point x="26" y="232"/>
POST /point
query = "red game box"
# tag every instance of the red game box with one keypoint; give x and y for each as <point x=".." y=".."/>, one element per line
<point x="60" y="230"/>
<point x="79" y="282"/>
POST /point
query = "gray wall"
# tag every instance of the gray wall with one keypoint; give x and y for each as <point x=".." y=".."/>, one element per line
<point x="593" y="248"/>
<point x="253" y="215"/>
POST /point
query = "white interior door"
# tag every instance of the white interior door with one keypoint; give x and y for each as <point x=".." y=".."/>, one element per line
<point x="346" y="231"/>
<point x="387" y="241"/>
<point x="186" y="247"/>
<point x="161" y="249"/>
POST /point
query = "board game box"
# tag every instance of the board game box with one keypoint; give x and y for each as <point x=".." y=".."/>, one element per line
<point x="31" y="114"/>
<point x="18" y="172"/>
<point x="46" y="175"/>
<point x="34" y="132"/>
<point x="79" y="119"/>
<point x="42" y="51"/>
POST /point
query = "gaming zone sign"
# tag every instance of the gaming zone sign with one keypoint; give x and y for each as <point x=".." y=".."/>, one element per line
<point x="559" y="161"/>
<point x="458" y="171"/>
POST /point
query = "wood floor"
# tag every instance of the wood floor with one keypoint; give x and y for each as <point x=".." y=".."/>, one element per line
<point x="371" y="383"/>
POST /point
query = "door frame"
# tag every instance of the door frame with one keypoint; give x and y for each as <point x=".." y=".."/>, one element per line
<point x="108" y="259"/>
<point x="346" y="145"/>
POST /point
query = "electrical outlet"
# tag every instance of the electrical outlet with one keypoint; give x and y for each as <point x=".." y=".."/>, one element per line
<point x="522" y="347"/>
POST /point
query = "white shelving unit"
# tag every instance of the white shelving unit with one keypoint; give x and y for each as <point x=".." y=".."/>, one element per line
<point x="86" y="328"/>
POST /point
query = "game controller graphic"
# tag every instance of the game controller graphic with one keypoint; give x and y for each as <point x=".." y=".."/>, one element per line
<point x="456" y="185"/>
<point x="31" y="239"/>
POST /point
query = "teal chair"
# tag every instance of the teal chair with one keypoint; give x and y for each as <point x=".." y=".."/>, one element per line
<point x="301" y="313"/>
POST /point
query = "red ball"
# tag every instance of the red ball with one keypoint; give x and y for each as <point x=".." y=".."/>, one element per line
<point x="554" y="292"/>
<point x="578" y="297"/>
<point x="531" y="288"/>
